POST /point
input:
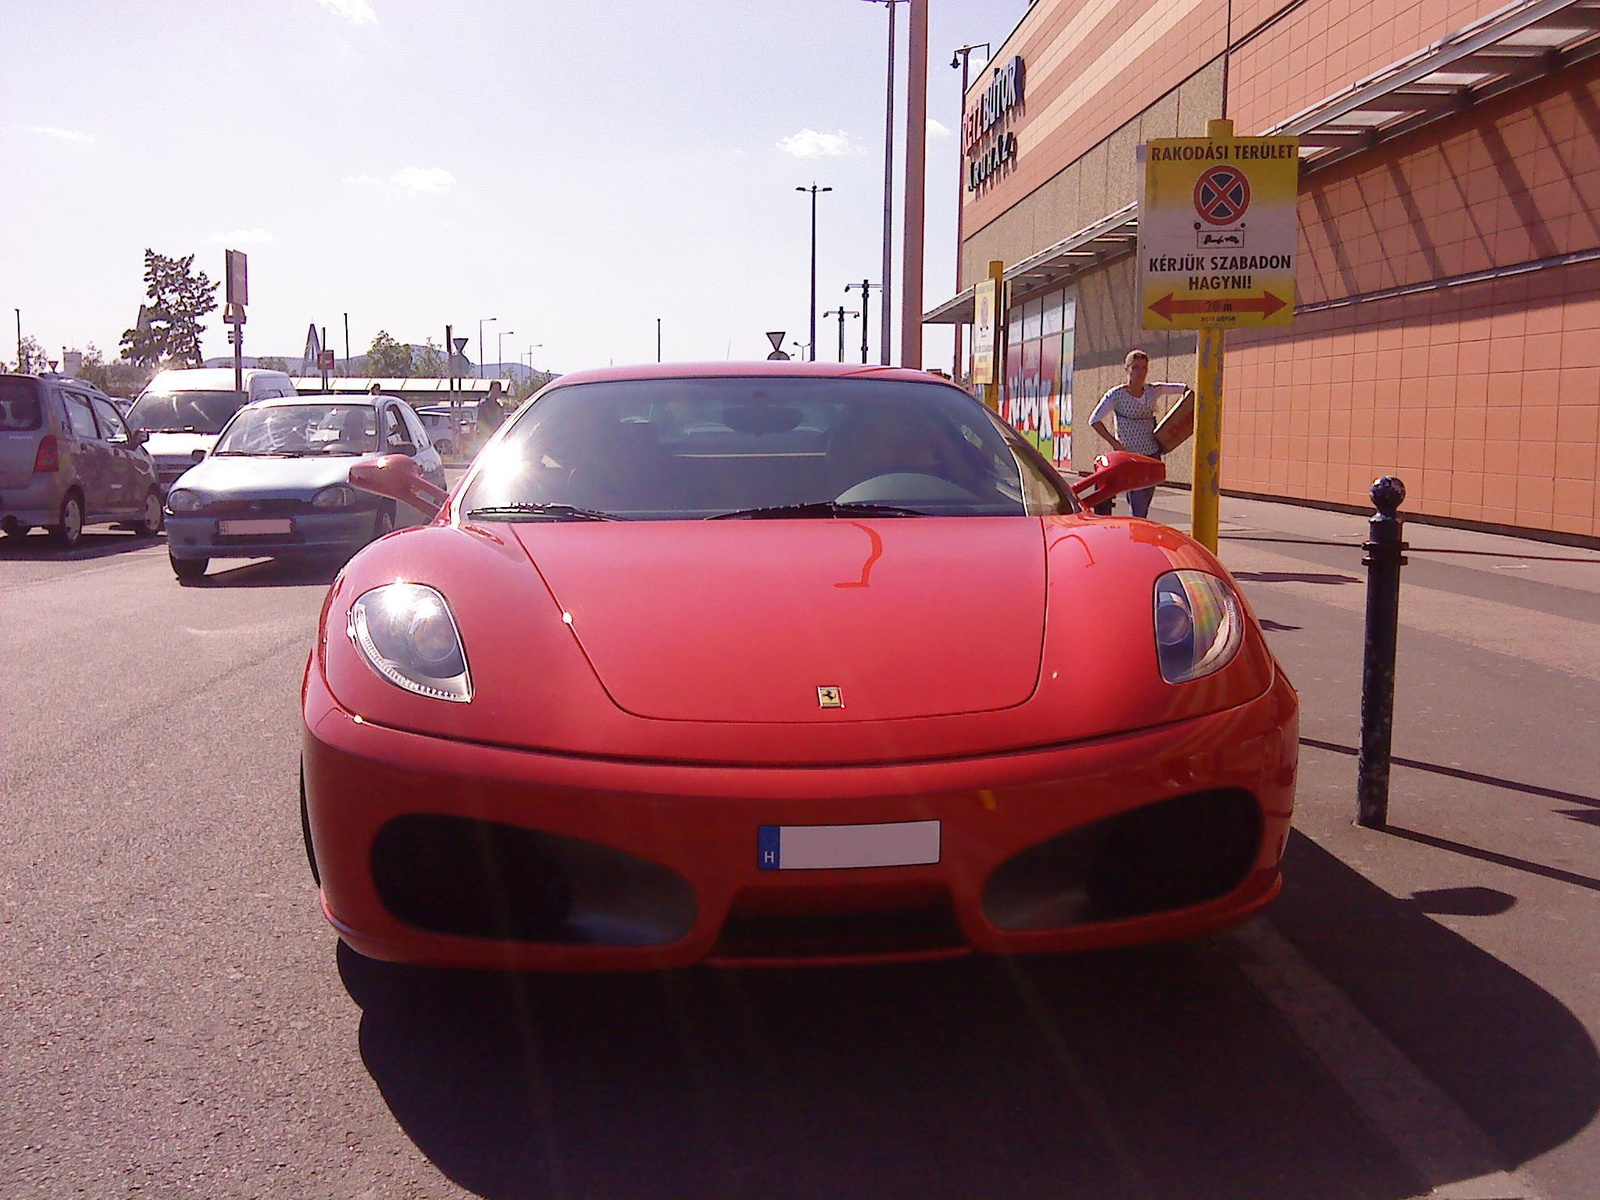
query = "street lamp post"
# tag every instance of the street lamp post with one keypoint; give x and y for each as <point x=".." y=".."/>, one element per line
<point x="865" y="286"/>
<point x="500" y="349"/>
<point x="813" y="189"/>
<point x="915" y="189"/>
<point x="22" y="365"/>
<point x="888" y="196"/>
<point x="482" y="321"/>
<point x="841" y="312"/>
<point x="960" y="57"/>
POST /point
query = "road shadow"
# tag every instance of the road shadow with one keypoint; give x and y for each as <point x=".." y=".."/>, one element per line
<point x="37" y="546"/>
<point x="1156" y="1072"/>
<point x="273" y="572"/>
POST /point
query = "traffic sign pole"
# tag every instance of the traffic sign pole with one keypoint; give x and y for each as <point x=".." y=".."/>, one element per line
<point x="1205" y="492"/>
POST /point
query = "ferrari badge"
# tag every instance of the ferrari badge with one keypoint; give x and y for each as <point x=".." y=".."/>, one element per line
<point x="830" y="697"/>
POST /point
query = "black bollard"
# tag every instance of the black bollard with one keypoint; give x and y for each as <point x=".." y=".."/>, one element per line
<point x="1385" y="556"/>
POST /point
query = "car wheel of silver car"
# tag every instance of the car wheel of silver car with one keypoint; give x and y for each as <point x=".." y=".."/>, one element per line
<point x="69" y="529"/>
<point x="149" y="524"/>
<point x="189" y="570"/>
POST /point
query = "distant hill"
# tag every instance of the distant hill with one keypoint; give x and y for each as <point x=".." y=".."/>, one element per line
<point x="357" y="365"/>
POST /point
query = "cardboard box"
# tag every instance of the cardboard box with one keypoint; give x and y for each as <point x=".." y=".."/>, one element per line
<point x="1177" y="426"/>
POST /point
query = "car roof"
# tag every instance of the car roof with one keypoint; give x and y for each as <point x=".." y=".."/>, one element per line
<point x="204" y="378"/>
<point x="769" y="370"/>
<point x="360" y="400"/>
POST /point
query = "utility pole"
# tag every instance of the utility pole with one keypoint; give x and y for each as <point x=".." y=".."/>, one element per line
<point x="347" y="343"/>
<point x="841" y="312"/>
<point x="813" y="189"/>
<point x="916" y="178"/>
<point x="865" y="287"/>
<point x="887" y="276"/>
<point x="962" y="54"/>
<point x="324" y="369"/>
<point x="22" y="366"/>
<point x="658" y="337"/>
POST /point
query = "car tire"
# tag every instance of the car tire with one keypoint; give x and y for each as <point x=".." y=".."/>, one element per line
<point x="149" y="525"/>
<point x="383" y="523"/>
<point x="68" y="531"/>
<point x="189" y="570"/>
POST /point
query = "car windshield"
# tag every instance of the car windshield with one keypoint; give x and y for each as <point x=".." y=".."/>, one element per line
<point x="19" y="406"/>
<point x="762" y="447"/>
<point x="302" y="429"/>
<point x="185" y="412"/>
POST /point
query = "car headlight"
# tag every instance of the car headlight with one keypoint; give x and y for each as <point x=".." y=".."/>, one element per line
<point x="182" y="500"/>
<point x="337" y="496"/>
<point x="407" y="635"/>
<point x="1199" y="625"/>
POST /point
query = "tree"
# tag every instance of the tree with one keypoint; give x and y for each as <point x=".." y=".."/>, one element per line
<point x="169" y="325"/>
<point x="271" y="363"/>
<point x="34" y="358"/>
<point x="430" y="363"/>
<point x="387" y="358"/>
<point x="114" y="378"/>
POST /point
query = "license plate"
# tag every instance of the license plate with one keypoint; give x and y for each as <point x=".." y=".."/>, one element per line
<point x="257" y="527"/>
<point x="822" y="847"/>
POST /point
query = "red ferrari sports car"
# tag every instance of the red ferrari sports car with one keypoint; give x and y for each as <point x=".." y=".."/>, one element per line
<point x="776" y="663"/>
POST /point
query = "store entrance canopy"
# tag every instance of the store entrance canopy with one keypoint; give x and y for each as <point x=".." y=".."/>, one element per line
<point x="1502" y="51"/>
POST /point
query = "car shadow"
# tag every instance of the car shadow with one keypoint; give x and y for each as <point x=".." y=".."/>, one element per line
<point x="274" y="572"/>
<point x="1154" y="1072"/>
<point x="37" y="546"/>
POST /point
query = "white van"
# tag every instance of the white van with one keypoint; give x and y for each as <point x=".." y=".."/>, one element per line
<point x="181" y="412"/>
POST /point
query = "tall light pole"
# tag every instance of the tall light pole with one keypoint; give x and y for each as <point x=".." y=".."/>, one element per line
<point x="887" y="276"/>
<point x="916" y="188"/>
<point x="841" y="312"/>
<point x="865" y="287"/>
<point x="481" y="323"/>
<point x="22" y="366"/>
<point x="346" y="343"/>
<point x="658" y="323"/>
<point x="813" y="189"/>
<point x="500" y="349"/>
<point x="961" y="55"/>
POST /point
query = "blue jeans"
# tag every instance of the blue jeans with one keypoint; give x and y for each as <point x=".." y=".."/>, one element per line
<point x="1139" y="500"/>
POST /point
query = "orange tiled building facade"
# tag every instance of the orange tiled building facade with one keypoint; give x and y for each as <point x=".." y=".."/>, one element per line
<point x="1448" y="270"/>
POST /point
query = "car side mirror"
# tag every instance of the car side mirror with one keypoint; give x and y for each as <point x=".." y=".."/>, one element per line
<point x="196" y="455"/>
<point x="1115" y="473"/>
<point x="406" y="448"/>
<point x="397" y="477"/>
<point x="137" y="437"/>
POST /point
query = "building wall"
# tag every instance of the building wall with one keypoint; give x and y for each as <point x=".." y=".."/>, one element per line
<point x="1484" y="397"/>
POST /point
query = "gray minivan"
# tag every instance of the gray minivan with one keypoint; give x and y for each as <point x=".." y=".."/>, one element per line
<point x="182" y="411"/>
<point x="67" y="459"/>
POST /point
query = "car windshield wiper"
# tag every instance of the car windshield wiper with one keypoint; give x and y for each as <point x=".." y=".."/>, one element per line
<point x="821" y="508"/>
<point x="536" y="512"/>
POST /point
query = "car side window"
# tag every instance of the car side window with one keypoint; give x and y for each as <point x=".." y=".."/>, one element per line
<point x="419" y="432"/>
<point x="394" y="430"/>
<point x="111" y="424"/>
<point x="79" y="415"/>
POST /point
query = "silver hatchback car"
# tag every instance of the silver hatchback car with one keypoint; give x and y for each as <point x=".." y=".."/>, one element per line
<point x="67" y="459"/>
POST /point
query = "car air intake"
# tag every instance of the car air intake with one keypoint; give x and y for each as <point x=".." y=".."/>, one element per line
<point x="1172" y="854"/>
<point x="486" y="879"/>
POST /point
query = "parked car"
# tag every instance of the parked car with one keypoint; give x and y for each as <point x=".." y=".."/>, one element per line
<point x="781" y="663"/>
<point x="452" y="432"/>
<point x="183" y="411"/>
<point x="277" y="482"/>
<point x="68" y="459"/>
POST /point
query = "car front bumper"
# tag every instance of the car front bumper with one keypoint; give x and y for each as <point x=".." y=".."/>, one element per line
<point x="310" y="533"/>
<point x="447" y="853"/>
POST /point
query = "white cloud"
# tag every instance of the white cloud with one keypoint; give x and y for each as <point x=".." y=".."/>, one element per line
<point x="937" y="129"/>
<point x="241" y="237"/>
<point x="424" y="179"/>
<point x="357" y="12"/>
<point x="66" y="135"/>
<point x="809" y="143"/>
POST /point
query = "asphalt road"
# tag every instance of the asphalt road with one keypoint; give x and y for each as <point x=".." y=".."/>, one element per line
<point x="176" y="1020"/>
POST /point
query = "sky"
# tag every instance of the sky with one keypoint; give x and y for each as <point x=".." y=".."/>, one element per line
<point x="573" y="170"/>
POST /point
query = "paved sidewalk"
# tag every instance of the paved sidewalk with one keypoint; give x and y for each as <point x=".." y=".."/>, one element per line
<point x="1466" y="932"/>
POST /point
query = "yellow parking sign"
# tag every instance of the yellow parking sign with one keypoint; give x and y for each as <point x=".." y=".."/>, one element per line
<point x="1217" y="231"/>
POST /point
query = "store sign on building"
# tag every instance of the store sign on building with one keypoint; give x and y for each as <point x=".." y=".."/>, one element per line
<point x="1217" y="229"/>
<point x="986" y="316"/>
<point x="986" y="138"/>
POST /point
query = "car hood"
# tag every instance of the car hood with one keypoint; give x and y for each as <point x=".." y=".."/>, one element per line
<point x="744" y="621"/>
<point x="168" y="447"/>
<point x="266" y="477"/>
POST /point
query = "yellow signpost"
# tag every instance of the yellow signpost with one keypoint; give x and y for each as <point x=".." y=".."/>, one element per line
<point x="1217" y="231"/>
<point x="986" y="326"/>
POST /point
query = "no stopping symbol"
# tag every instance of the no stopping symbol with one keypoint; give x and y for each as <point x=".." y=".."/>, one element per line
<point x="1221" y="195"/>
